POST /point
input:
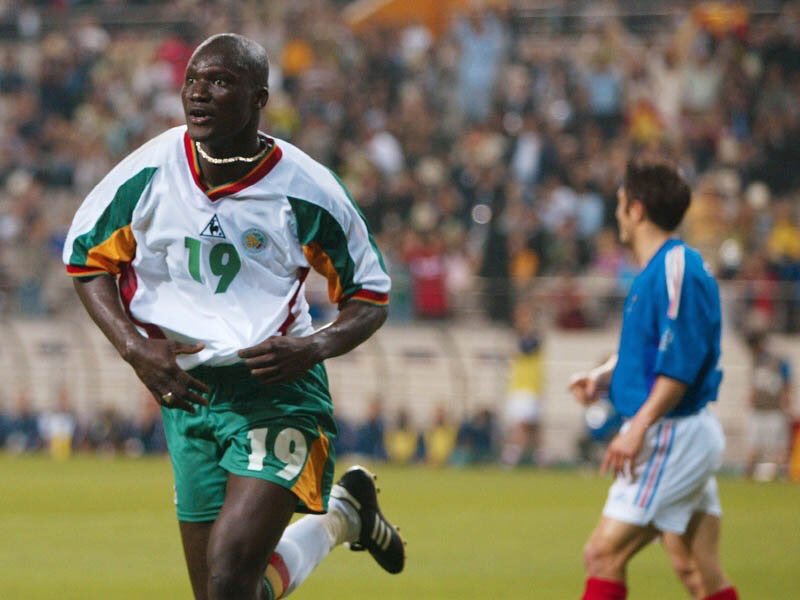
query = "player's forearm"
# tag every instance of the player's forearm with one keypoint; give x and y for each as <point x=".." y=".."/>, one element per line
<point x="664" y="396"/>
<point x="100" y="297"/>
<point x="356" y="322"/>
<point x="602" y="373"/>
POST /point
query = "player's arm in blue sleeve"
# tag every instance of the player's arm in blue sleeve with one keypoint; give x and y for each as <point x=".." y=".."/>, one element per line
<point x="685" y="318"/>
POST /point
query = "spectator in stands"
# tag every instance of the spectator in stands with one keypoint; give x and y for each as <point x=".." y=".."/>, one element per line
<point x="149" y="430"/>
<point x="783" y="242"/>
<point x="481" y="39"/>
<point x="57" y="426"/>
<point x="345" y="441"/>
<point x="760" y="292"/>
<point x="4" y="426"/>
<point x="783" y="246"/>
<point x="439" y="440"/>
<point x="475" y="440"/>
<point x="12" y="80"/>
<point x="22" y="433"/>
<point x="522" y="413"/>
<point x="769" y="398"/>
<point x="572" y="311"/>
<point x="603" y="83"/>
<point x="612" y="271"/>
<point x="107" y="431"/>
<point x="430" y="128"/>
<point x="403" y="440"/>
<point x="370" y="433"/>
<point x="426" y="263"/>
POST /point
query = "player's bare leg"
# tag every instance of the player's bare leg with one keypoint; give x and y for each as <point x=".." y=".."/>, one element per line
<point x="240" y="556"/>
<point x="251" y="522"/>
<point x="702" y="537"/>
<point x="611" y="545"/>
<point x="195" y="538"/>
<point x="683" y="563"/>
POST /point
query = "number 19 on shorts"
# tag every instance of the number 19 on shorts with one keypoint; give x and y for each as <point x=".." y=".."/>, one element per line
<point x="289" y="447"/>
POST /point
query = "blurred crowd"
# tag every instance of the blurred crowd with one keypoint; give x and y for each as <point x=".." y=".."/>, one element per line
<point x="61" y="431"/>
<point x="507" y="430"/>
<point x="485" y="155"/>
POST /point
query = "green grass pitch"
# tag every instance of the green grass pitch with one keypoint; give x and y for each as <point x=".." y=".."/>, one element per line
<point x="104" y="528"/>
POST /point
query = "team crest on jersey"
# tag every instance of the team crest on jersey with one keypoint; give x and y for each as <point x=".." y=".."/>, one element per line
<point x="254" y="241"/>
<point x="213" y="229"/>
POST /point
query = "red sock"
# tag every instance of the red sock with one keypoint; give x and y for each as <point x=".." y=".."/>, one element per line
<point x="607" y="589"/>
<point x="729" y="593"/>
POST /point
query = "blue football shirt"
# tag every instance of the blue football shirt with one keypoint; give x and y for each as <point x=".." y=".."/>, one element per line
<point x="671" y="326"/>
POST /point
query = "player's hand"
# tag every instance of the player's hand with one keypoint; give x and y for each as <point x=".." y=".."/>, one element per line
<point x="622" y="451"/>
<point x="584" y="387"/>
<point x="155" y="363"/>
<point x="280" y="359"/>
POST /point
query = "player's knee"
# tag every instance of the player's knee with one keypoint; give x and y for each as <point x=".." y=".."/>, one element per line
<point x="681" y="563"/>
<point x="233" y="575"/>
<point x="222" y="586"/>
<point x="227" y="584"/>
<point x="689" y="576"/>
<point x="685" y="573"/>
<point x="599" y="556"/>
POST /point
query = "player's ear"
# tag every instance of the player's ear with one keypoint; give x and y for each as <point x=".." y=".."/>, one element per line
<point x="262" y="96"/>
<point x="637" y="211"/>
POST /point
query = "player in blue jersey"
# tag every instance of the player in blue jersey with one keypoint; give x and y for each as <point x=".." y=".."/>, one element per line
<point x="663" y="376"/>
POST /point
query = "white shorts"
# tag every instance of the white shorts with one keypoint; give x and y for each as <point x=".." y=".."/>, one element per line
<point x="768" y="432"/>
<point x="522" y="407"/>
<point x="673" y="476"/>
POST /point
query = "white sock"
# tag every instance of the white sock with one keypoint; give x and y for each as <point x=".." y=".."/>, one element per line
<point x="309" y="540"/>
<point x="345" y="522"/>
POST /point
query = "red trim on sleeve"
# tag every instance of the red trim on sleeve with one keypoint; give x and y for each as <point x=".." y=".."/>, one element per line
<point x="371" y="297"/>
<point x="78" y="271"/>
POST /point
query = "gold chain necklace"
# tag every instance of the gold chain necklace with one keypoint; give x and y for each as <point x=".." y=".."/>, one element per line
<point x="233" y="159"/>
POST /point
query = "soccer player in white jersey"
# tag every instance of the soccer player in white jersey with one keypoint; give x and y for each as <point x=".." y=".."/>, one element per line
<point x="190" y="255"/>
<point x="665" y="372"/>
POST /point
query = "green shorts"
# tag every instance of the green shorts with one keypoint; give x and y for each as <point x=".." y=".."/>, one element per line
<point x="280" y="433"/>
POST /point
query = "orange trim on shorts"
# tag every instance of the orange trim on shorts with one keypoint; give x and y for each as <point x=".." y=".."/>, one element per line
<point x="308" y="486"/>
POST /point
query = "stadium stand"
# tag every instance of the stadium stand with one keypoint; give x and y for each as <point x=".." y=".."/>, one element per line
<point x="417" y="368"/>
<point x="498" y="167"/>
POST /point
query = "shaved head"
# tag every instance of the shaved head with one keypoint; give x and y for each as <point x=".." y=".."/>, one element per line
<point x="243" y="53"/>
<point x="224" y="90"/>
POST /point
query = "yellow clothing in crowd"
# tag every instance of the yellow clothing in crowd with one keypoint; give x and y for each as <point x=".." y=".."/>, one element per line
<point x="439" y="444"/>
<point x="401" y="445"/>
<point x="526" y="373"/>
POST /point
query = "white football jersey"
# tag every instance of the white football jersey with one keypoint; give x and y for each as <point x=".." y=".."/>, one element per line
<point x="223" y="266"/>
